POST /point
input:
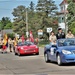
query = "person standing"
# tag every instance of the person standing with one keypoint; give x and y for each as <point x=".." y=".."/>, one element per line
<point x="60" y="34"/>
<point x="52" y="38"/>
<point x="69" y="34"/>
<point x="5" y="43"/>
<point x="14" y="43"/>
<point x="10" y="44"/>
<point x="1" y="44"/>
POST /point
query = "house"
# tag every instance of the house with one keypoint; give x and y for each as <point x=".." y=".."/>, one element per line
<point x="7" y="31"/>
<point x="62" y="14"/>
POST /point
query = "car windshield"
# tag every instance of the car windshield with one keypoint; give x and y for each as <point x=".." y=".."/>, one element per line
<point x="25" y="43"/>
<point x="66" y="42"/>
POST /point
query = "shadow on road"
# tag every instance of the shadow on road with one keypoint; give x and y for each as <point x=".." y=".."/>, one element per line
<point x="4" y="52"/>
<point x="66" y="64"/>
<point x="27" y="55"/>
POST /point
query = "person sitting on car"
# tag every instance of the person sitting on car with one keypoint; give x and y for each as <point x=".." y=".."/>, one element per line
<point x="52" y="38"/>
<point x="69" y="34"/>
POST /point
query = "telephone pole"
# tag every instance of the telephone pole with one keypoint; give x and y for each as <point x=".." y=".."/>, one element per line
<point x="26" y="23"/>
<point x="65" y="17"/>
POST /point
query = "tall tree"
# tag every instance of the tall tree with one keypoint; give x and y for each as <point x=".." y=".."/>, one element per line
<point x="19" y="25"/>
<point x="71" y="15"/>
<point x="46" y="6"/>
<point x="8" y="26"/>
<point x="31" y="9"/>
<point x="31" y="6"/>
<point x="71" y="10"/>
<point x="45" y="10"/>
<point x="5" y="21"/>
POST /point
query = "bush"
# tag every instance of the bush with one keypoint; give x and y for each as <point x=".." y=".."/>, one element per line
<point x="43" y="42"/>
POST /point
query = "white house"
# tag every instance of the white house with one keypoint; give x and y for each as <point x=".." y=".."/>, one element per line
<point x="63" y="10"/>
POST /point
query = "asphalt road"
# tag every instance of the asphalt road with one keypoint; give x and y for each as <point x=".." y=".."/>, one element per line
<point x="32" y="64"/>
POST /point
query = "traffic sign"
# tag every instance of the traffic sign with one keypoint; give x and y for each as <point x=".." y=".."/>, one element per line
<point x="40" y="32"/>
<point x="49" y="30"/>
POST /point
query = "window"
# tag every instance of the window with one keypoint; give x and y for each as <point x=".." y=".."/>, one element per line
<point x="59" y="19"/>
<point x="61" y="8"/>
<point x="62" y="19"/>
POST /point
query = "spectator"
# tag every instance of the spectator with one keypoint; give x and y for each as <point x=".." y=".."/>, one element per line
<point x="1" y="44"/>
<point x="69" y="34"/>
<point x="14" y="43"/>
<point x="10" y="42"/>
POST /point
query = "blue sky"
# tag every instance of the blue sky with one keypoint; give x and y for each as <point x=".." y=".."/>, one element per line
<point x="6" y="6"/>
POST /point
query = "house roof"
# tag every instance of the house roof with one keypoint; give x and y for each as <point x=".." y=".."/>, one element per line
<point x="62" y="12"/>
<point x="64" y="1"/>
<point x="8" y="31"/>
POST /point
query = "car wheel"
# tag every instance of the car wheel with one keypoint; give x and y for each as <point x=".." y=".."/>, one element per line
<point x="19" y="53"/>
<point x="37" y="53"/>
<point x="59" y="60"/>
<point x="46" y="58"/>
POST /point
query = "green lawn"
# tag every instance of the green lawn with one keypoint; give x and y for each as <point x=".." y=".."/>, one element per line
<point x="43" y="43"/>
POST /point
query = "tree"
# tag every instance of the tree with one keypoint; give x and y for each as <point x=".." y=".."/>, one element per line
<point x="46" y="6"/>
<point x="19" y="25"/>
<point x="45" y="10"/>
<point x="33" y="20"/>
<point x="38" y="19"/>
<point x="31" y="6"/>
<point x="5" y="21"/>
<point x="71" y="15"/>
<point x="71" y="12"/>
<point x="0" y="25"/>
<point x="72" y="27"/>
<point x="8" y="26"/>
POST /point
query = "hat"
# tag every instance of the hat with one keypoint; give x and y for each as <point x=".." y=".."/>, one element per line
<point x="59" y="29"/>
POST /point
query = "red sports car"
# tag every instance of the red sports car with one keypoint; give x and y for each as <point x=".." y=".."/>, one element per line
<point x="26" y="47"/>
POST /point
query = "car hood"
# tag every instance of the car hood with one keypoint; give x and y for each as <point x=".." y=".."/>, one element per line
<point x="70" y="48"/>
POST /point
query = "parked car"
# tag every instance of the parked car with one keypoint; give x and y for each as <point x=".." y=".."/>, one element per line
<point x="26" y="47"/>
<point x="62" y="52"/>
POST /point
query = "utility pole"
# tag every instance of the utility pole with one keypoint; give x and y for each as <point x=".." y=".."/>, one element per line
<point x="65" y="18"/>
<point x="26" y="23"/>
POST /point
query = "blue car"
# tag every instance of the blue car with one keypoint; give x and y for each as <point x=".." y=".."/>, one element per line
<point x="62" y="52"/>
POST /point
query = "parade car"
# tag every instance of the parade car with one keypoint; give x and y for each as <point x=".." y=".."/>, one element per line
<point x="61" y="52"/>
<point x="26" y="47"/>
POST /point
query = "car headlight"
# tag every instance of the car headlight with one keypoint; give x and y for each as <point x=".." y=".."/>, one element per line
<point x="21" y="47"/>
<point x="66" y="52"/>
<point x="37" y="47"/>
